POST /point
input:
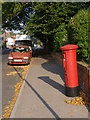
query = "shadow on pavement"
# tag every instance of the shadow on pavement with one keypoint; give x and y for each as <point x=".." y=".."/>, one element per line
<point x="50" y="64"/>
<point x="18" y="72"/>
<point x="53" y="67"/>
<point x="5" y="51"/>
<point x="44" y="102"/>
<point x="38" y="52"/>
<point x="54" y="84"/>
<point x="58" y="69"/>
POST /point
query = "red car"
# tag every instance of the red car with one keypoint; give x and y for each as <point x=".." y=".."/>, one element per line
<point x="19" y="55"/>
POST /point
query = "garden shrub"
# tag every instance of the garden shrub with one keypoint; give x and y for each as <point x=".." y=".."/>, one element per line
<point x="60" y="37"/>
<point x="78" y="33"/>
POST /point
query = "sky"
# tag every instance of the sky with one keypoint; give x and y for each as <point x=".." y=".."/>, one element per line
<point x="14" y="31"/>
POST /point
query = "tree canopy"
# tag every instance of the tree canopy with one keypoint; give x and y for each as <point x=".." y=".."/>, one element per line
<point x="47" y="17"/>
<point x="15" y="15"/>
<point x="40" y="16"/>
<point x="49" y="21"/>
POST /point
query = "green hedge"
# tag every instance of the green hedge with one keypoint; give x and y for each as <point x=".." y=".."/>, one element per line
<point x="60" y="37"/>
<point x="78" y="33"/>
<point x="89" y="36"/>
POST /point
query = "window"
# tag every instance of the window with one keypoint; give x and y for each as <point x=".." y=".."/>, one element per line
<point x="20" y="49"/>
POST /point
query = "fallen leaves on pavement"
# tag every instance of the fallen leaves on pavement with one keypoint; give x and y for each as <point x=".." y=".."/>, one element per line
<point x="15" y="72"/>
<point x="82" y="99"/>
<point x="11" y="73"/>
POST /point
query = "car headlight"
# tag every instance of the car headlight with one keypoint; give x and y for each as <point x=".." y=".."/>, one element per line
<point x="26" y="57"/>
<point x="10" y="58"/>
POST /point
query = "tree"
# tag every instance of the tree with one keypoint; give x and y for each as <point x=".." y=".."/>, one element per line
<point x="15" y="15"/>
<point x="48" y="17"/>
<point x="41" y="18"/>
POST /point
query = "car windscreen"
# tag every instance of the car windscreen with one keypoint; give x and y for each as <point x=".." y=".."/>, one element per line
<point x="20" y="49"/>
<point x="23" y="42"/>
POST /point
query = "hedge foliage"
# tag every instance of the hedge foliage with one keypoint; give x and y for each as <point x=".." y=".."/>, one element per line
<point x="78" y="33"/>
<point x="60" y="37"/>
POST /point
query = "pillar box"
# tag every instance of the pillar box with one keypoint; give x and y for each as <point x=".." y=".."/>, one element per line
<point x="70" y="70"/>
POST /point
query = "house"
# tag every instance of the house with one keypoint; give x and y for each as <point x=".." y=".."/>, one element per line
<point x="7" y="39"/>
<point x="10" y="41"/>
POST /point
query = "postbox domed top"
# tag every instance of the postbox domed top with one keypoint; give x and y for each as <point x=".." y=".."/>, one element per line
<point x="69" y="47"/>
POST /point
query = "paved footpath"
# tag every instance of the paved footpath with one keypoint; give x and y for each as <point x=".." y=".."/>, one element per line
<point x="43" y="93"/>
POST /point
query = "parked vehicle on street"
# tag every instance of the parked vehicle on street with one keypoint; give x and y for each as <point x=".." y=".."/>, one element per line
<point x="24" y="40"/>
<point x="19" y="55"/>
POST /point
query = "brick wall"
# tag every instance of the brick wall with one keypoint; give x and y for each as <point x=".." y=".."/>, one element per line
<point x="89" y="81"/>
<point x="83" y="77"/>
<point x="83" y="73"/>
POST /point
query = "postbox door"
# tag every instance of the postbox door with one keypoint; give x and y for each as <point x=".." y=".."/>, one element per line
<point x="65" y="68"/>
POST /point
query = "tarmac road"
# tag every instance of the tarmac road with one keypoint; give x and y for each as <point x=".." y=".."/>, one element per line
<point x="8" y="81"/>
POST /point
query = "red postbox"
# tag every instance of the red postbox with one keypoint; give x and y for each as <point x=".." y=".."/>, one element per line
<point x="70" y="69"/>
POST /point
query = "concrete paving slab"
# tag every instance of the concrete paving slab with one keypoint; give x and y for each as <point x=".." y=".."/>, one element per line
<point x="43" y="93"/>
